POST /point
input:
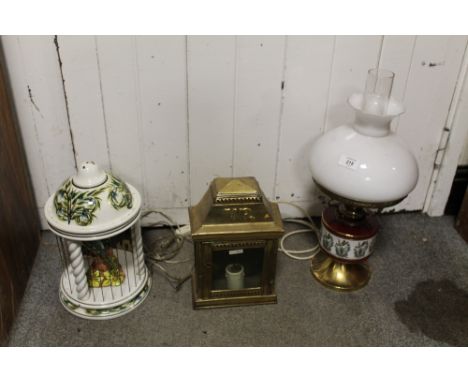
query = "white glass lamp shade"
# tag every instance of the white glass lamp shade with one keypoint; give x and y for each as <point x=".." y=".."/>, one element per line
<point x="365" y="161"/>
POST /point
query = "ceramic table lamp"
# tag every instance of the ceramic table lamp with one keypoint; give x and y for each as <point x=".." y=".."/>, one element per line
<point x="96" y="218"/>
<point x="363" y="165"/>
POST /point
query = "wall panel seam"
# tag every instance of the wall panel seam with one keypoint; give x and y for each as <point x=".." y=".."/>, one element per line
<point x="410" y="67"/>
<point x="330" y="78"/>
<point x="379" y="55"/>
<point x="106" y="132"/>
<point x="280" y="117"/>
<point x="187" y="117"/>
<point x="234" y="104"/>
<point x="136" y="80"/>
<point x="67" y="106"/>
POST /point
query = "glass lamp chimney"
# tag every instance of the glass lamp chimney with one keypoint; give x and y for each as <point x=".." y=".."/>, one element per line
<point x="377" y="93"/>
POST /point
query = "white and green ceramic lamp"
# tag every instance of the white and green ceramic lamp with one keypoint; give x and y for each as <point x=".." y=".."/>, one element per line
<point x="95" y="216"/>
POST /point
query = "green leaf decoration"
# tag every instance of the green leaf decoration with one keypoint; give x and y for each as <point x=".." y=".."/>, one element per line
<point x="81" y="207"/>
<point x="77" y="206"/>
<point x="360" y="249"/>
<point x="119" y="194"/>
<point x="327" y="241"/>
<point x="342" y="248"/>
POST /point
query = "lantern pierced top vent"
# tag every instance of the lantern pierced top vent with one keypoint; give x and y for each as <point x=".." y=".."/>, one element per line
<point x="234" y="206"/>
<point x="236" y="190"/>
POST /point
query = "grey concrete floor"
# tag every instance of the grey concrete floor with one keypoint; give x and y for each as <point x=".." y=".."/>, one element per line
<point x="417" y="297"/>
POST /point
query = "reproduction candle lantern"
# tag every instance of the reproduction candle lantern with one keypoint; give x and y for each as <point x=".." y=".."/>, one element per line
<point x="363" y="165"/>
<point x="235" y="232"/>
<point x="95" y="217"/>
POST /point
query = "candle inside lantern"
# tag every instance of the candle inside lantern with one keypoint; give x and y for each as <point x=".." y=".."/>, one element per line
<point x="235" y="276"/>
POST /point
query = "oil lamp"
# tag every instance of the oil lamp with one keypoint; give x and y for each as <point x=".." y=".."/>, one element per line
<point x="235" y="232"/>
<point x="95" y="217"/>
<point x="364" y="166"/>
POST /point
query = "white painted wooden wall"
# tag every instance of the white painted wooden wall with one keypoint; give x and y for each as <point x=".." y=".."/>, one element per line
<point x="170" y="113"/>
<point x="463" y="159"/>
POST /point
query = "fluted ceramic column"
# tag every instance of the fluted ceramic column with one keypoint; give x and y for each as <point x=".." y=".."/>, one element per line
<point x="138" y="248"/>
<point x="78" y="269"/>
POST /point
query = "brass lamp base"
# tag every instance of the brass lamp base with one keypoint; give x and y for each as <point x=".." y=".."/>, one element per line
<point x="339" y="275"/>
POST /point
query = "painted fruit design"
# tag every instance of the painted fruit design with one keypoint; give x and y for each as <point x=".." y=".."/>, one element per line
<point x="360" y="250"/>
<point x="327" y="241"/>
<point x="342" y="248"/>
<point x="105" y="269"/>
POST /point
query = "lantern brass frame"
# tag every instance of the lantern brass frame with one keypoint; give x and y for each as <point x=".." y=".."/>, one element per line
<point x="234" y="213"/>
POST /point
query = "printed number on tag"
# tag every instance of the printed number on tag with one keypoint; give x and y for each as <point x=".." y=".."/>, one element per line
<point x="236" y="251"/>
<point x="348" y="162"/>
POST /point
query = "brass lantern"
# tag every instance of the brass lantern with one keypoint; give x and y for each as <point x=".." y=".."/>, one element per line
<point x="235" y="232"/>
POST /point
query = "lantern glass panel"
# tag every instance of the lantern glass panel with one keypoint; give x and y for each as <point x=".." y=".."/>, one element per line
<point x="237" y="268"/>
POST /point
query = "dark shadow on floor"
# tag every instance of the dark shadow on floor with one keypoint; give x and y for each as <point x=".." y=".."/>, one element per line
<point x="438" y="309"/>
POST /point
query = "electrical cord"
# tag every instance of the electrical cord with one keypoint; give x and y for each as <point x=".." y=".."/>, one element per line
<point x="165" y="249"/>
<point x="311" y="228"/>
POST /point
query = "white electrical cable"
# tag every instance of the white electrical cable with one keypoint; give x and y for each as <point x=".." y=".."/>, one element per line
<point x="164" y="250"/>
<point x="311" y="228"/>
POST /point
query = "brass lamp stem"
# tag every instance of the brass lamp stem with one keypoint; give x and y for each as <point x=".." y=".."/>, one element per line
<point x="351" y="212"/>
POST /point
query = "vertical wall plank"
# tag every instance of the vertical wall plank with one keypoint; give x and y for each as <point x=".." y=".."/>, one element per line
<point x="353" y="57"/>
<point x="431" y="83"/>
<point x="463" y="159"/>
<point x="83" y="93"/>
<point x="118" y="73"/>
<point x="211" y="90"/>
<point x="35" y="77"/>
<point x="163" y="96"/>
<point x="396" y="55"/>
<point x="26" y="116"/>
<point x="260" y="63"/>
<point x="308" y="69"/>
